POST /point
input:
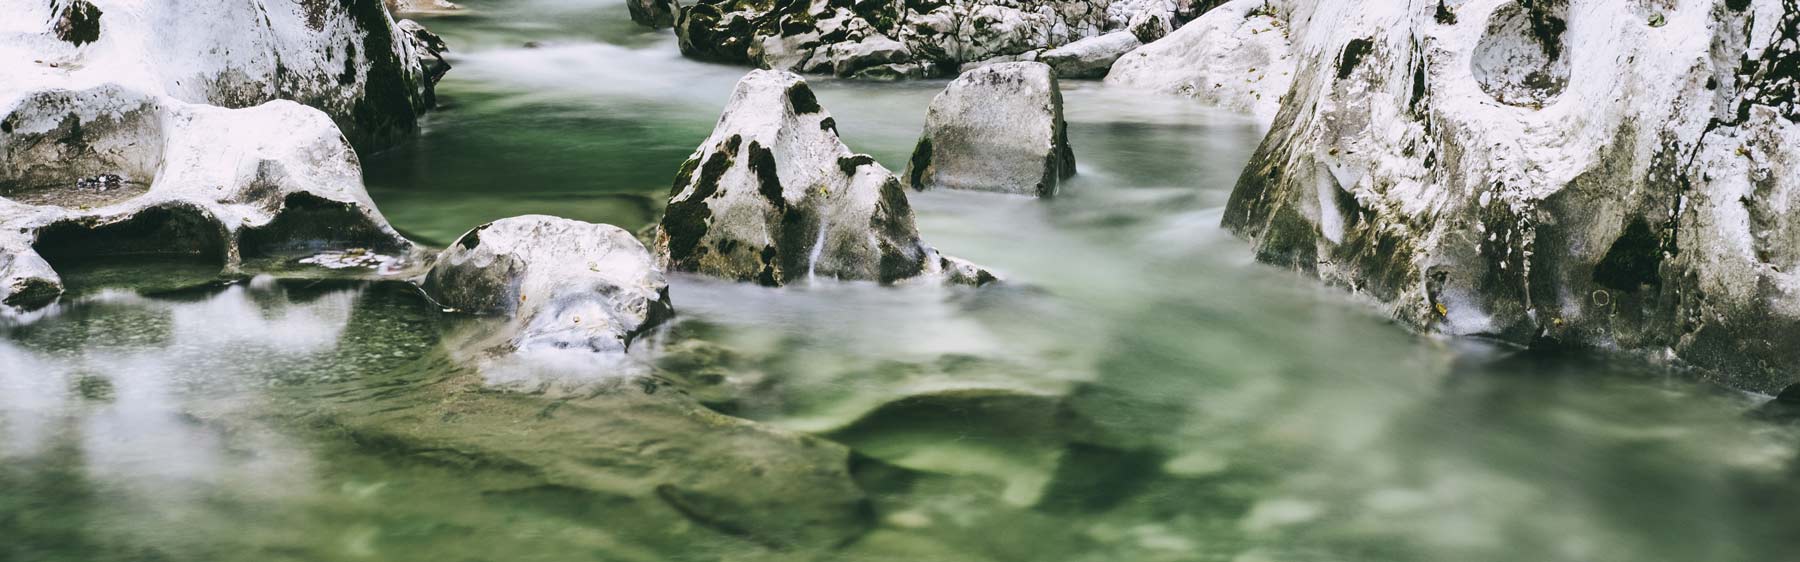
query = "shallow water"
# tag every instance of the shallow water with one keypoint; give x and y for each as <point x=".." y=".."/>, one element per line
<point x="1139" y="390"/>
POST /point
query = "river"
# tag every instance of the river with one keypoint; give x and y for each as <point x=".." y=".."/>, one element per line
<point x="1140" y="389"/>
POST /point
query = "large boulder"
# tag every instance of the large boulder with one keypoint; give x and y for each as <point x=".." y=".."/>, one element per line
<point x="1235" y="57"/>
<point x="344" y="57"/>
<point x="894" y="39"/>
<point x="1603" y="174"/>
<point x="773" y="196"/>
<point x="1091" y="57"/>
<point x="996" y="128"/>
<point x="109" y="172"/>
<point x="565" y="284"/>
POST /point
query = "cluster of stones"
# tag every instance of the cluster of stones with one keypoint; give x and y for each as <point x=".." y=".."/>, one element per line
<point x="889" y="40"/>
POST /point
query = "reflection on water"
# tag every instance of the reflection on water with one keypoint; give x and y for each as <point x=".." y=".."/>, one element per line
<point x="1139" y="390"/>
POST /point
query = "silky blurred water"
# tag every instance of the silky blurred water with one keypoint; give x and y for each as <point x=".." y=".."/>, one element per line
<point x="1139" y="389"/>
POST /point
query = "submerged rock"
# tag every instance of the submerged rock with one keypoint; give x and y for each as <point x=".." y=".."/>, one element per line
<point x="110" y="172"/>
<point x="346" y="58"/>
<point x="1235" y="57"/>
<point x="893" y="39"/>
<point x="773" y="196"/>
<point x="996" y="128"/>
<point x="564" y="283"/>
<point x="1548" y="172"/>
<point x="1091" y="57"/>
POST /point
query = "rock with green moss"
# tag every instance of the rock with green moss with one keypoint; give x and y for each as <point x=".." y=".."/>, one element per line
<point x="1547" y="173"/>
<point x="775" y="197"/>
<point x="560" y="283"/>
<point x="996" y="128"/>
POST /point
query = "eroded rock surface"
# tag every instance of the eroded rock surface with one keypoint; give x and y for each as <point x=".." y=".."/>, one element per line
<point x="996" y="128"/>
<point x="1579" y="172"/>
<point x="1237" y="56"/>
<point x="563" y="283"/>
<point x="109" y="172"/>
<point x="894" y="39"/>
<point x="346" y="58"/>
<point x="774" y="197"/>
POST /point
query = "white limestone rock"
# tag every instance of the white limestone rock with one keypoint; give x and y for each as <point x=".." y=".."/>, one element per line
<point x="774" y="197"/>
<point x="1237" y="56"/>
<point x="108" y="172"/>
<point x="1616" y="175"/>
<point x="1091" y="57"/>
<point x="564" y="284"/>
<point x="346" y="58"/>
<point x="996" y="128"/>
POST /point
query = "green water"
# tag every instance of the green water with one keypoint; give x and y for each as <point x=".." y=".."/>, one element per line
<point x="1139" y="391"/>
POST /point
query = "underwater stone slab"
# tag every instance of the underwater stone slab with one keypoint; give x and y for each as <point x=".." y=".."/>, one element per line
<point x="996" y="128"/>
<point x="112" y="172"/>
<point x="774" y="197"/>
<point x="1612" y="175"/>
<point x="564" y="283"/>
<point x="346" y="58"/>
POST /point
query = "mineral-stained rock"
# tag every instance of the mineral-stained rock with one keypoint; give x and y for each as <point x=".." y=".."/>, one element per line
<point x="564" y="283"/>
<point x="107" y="171"/>
<point x="773" y="196"/>
<point x="895" y="39"/>
<point x="1235" y="57"/>
<point x="1091" y="57"/>
<point x="996" y="128"/>
<point x="344" y="57"/>
<point x="1548" y="172"/>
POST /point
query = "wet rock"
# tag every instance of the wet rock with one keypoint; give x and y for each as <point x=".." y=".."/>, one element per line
<point x="1235" y="57"/>
<point x="565" y="284"/>
<point x="422" y="6"/>
<point x="111" y="172"/>
<point x="346" y="58"/>
<point x="654" y="14"/>
<point x="428" y="49"/>
<point x="894" y="40"/>
<point x="996" y="128"/>
<point x="1456" y="165"/>
<point x="1784" y="408"/>
<point x="774" y="197"/>
<point x="1091" y="57"/>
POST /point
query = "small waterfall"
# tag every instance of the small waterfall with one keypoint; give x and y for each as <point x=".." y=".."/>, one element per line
<point x="812" y="260"/>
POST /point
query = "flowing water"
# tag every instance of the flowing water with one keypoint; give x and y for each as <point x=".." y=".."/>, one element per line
<point x="1139" y="390"/>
